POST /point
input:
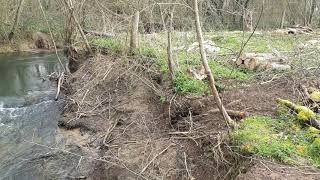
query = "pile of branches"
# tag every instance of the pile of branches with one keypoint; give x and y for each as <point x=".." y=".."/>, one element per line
<point x="96" y="89"/>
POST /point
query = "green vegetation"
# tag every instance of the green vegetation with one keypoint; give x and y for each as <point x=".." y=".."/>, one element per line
<point x="283" y="139"/>
<point x="110" y="44"/>
<point x="184" y="84"/>
<point x="315" y="96"/>
<point x="261" y="42"/>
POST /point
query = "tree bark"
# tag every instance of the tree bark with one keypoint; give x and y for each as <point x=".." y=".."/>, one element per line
<point x="169" y="48"/>
<point x="213" y="88"/>
<point x="283" y="18"/>
<point x="16" y="20"/>
<point x="313" y="7"/>
<point x="134" y="41"/>
<point x="71" y="11"/>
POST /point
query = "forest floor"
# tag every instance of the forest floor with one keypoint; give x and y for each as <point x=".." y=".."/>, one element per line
<point x="124" y="115"/>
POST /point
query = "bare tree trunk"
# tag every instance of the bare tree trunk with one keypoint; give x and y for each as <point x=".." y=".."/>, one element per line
<point x="169" y="48"/>
<point x="134" y="41"/>
<point x="162" y="19"/>
<point x="71" y="11"/>
<point x="16" y="20"/>
<point x="305" y="22"/>
<point x="51" y="36"/>
<point x="283" y="18"/>
<point x="104" y="23"/>
<point x="313" y="7"/>
<point x="214" y="90"/>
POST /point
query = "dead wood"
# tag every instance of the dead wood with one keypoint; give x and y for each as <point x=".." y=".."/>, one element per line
<point x="298" y="29"/>
<point x="306" y="115"/>
<point x="262" y="61"/>
<point x="60" y="82"/>
<point x="134" y="41"/>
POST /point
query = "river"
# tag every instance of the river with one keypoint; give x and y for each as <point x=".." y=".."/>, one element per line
<point x="29" y="119"/>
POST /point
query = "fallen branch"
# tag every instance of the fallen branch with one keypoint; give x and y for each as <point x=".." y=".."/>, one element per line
<point x="304" y="114"/>
<point x="108" y="134"/>
<point x="60" y="82"/>
<point x="154" y="158"/>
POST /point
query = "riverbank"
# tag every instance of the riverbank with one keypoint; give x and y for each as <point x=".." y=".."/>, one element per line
<point x="14" y="47"/>
<point x="34" y="43"/>
<point x="136" y="127"/>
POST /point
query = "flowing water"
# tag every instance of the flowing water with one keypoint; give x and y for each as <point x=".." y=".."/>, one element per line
<point x="28" y="118"/>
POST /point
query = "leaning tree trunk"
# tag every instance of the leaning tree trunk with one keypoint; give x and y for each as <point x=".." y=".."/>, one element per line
<point x="214" y="90"/>
<point x="134" y="41"/>
<point x="16" y="20"/>
<point x="71" y="11"/>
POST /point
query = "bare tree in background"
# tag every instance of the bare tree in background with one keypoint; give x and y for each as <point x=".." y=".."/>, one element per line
<point x="134" y="41"/>
<point x="169" y="48"/>
<point x="70" y="7"/>
<point x="16" y="20"/>
<point x="213" y="88"/>
<point x="313" y="7"/>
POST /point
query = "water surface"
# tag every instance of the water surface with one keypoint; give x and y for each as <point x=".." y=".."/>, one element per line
<point x="29" y="117"/>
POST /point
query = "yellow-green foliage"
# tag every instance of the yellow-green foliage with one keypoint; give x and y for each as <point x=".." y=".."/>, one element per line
<point x="286" y="103"/>
<point x="281" y="139"/>
<point x="315" y="96"/>
<point x="313" y="132"/>
<point x="304" y="113"/>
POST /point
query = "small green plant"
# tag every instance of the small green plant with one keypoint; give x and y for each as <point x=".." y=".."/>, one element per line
<point x="148" y="51"/>
<point x="111" y="44"/>
<point x="184" y="84"/>
<point x="163" y="99"/>
<point x="281" y="139"/>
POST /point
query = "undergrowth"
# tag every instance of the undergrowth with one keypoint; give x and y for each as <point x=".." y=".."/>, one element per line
<point x="154" y="47"/>
<point x="283" y="138"/>
<point x="183" y="82"/>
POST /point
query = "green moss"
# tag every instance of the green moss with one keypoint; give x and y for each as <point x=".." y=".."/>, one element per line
<point x="315" y="96"/>
<point x="304" y="113"/>
<point x="281" y="139"/>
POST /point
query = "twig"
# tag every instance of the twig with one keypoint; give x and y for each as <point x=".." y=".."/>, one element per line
<point x="60" y="82"/>
<point x="185" y="162"/>
<point x="107" y="136"/>
<point x="155" y="157"/>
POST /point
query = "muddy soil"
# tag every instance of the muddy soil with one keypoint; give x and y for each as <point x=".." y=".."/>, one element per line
<point x="114" y="111"/>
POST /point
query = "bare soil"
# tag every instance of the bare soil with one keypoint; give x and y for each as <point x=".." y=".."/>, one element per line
<point x="115" y="105"/>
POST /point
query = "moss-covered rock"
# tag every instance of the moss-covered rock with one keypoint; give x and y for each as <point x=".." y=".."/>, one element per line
<point x="315" y="96"/>
<point x="304" y="113"/>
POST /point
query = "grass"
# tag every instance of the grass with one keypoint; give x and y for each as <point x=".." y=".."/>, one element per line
<point x="283" y="139"/>
<point x="111" y="44"/>
<point x="154" y="46"/>
<point x="261" y="42"/>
